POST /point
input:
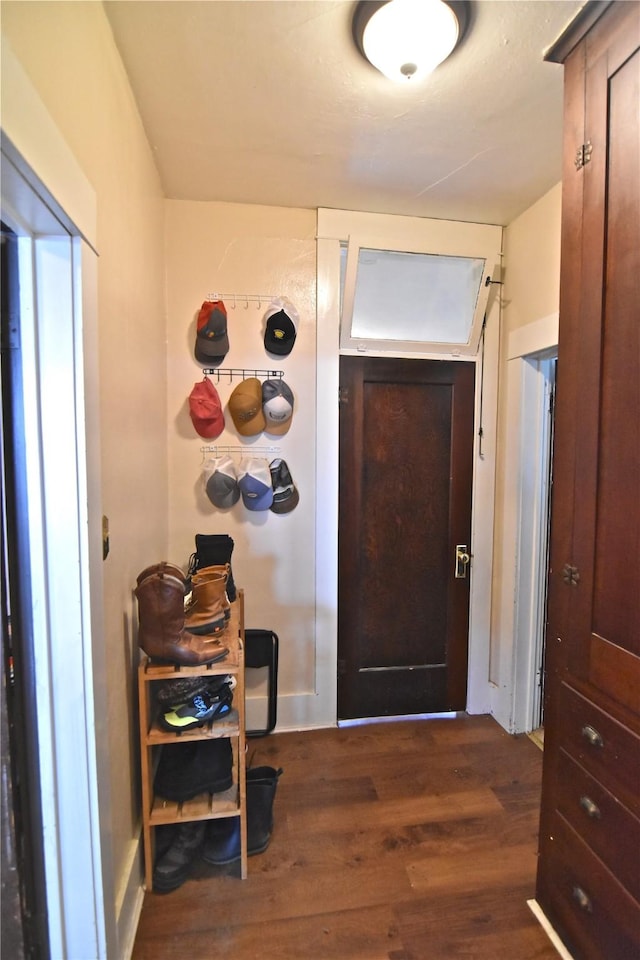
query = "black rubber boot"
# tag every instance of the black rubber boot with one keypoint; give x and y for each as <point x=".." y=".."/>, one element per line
<point x="222" y="838"/>
<point x="174" y="866"/>
<point x="221" y="841"/>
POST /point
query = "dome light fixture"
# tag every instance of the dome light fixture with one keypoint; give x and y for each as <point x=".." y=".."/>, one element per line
<point x="407" y="39"/>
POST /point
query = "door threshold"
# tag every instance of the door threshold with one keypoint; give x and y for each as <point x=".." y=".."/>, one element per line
<point x="538" y="737"/>
<point x="361" y="721"/>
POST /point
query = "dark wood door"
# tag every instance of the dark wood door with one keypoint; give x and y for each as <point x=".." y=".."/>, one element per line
<point x="406" y="456"/>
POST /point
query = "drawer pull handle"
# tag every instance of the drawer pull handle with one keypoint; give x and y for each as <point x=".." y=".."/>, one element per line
<point x="591" y="734"/>
<point x="590" y="808"/>
<point x="582" y="899"/>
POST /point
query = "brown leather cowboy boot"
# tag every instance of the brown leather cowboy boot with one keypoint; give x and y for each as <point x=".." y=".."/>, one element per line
<point x="161" y="632"/>
<point x="163" y="567"/>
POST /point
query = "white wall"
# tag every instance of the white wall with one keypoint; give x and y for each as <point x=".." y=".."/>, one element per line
<point x="224" y="249"/>
<point x="234" y="249"/>
<point x="530" y="321"/>
<point x="68" y="54"/>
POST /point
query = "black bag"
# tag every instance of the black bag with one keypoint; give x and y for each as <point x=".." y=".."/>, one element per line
<point x="261" y="650"/>
<point x="197" y="766"/>
<point x="213" y="549"/>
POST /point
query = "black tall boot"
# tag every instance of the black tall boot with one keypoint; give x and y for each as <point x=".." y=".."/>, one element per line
<point x="222" y="837"/>
<point x="173" y="866"/>
<point x="213" y="549"/>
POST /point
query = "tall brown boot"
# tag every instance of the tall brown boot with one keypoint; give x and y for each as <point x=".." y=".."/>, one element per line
<point x="161" y="632"/>
<point x="163" y="567"/>
<point x="209" y="609"/>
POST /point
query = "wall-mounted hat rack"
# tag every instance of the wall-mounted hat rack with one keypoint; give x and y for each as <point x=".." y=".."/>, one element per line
<point x="242" y="372"/>
<point x="243" y="451"/>
<point x="241" y="301"/>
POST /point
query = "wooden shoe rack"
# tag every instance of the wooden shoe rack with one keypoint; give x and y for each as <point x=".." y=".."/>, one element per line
<point x="156" y="810"/>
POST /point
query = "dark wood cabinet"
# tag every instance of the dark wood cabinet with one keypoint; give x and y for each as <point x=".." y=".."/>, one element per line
<point x="589" y="867"/>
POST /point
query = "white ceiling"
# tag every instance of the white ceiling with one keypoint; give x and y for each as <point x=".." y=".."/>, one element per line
<point x="269" y="102"/>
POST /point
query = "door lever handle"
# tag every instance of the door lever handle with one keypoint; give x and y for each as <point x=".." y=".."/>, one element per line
<point x="463" y="559"/>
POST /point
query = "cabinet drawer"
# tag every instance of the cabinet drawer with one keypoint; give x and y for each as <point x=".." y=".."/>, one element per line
<point x="609" y="751"/>
<point x="598" y="916"/>
<point x="605" y="825"/>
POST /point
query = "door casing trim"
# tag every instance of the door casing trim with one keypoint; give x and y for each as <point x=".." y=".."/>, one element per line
<point x="479" y="689"/>
<point x="513" y="636"/>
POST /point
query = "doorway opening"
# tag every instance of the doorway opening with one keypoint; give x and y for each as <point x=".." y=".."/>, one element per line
<point x="55" y="609"/>
<point x="24" y="907"/>
<point x="548" y="368"/>
<point x="535" y="471"/>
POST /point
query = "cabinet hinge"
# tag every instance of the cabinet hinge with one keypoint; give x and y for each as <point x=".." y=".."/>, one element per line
<point x="343" y="395"/>
<point x="342" y="667"/>
<point x="570" y="575"/>
<point x="583" y="155"/>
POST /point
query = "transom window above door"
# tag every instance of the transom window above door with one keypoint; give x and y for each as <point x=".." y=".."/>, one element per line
<point x="417" y="297"/>
<point x="412" y="287"/>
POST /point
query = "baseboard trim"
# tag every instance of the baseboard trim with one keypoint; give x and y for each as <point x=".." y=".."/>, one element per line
<point x="541" y="917"/>
<point x="129" y="901"/>
<point x="300" y="711"/>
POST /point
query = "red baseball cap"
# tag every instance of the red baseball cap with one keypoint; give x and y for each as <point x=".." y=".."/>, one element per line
<point x="212" y="338"/>
<point x="205" y="409"/>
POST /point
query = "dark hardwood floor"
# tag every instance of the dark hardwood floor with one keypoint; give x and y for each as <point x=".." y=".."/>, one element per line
<point x="413" y="840"/>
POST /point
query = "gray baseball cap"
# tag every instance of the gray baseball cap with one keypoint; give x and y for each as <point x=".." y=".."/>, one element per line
<point x="277" y="406"/>
<point x="222" y="483"/>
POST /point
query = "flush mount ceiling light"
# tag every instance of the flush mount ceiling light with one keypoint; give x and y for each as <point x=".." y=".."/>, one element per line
<point x="407" y="39"/>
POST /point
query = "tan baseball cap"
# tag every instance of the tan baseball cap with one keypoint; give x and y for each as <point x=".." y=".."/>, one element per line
<point x="245" y="407"/>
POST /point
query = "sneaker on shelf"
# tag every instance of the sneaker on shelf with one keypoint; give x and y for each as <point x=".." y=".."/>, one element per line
<point x="173" y="693"/>
<point x="198" y="710"/>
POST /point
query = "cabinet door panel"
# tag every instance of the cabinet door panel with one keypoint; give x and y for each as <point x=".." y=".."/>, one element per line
<point x="605" y="600"/>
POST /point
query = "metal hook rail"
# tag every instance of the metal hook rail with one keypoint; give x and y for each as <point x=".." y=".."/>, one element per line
<point x="242" y="372"/>
<point x="242" y="299"/>
<point x="243" y="451"/>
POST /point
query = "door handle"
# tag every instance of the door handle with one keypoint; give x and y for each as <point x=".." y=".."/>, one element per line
<point x="463" y="560"/>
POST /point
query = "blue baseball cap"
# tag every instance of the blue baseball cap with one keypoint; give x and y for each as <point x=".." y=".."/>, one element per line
<point x="255" y="484"/>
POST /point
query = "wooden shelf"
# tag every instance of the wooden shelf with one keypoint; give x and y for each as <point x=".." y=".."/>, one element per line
<point x="227" y="726"/>
<point x="203" y="807"/>
<point x="166" y="671"/>
<point x="158" y="811"/>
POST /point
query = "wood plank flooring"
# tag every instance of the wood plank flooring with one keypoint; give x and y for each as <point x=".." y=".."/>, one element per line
<point x="413" y="840"/>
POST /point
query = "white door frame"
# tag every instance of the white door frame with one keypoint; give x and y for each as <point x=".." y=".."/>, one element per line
<point x="65" y="620"/>
<point x="531" y="559"/>
<point x="518" y="625"/>
<point x="404" y="233"/>
<point x="41" y="183"/>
